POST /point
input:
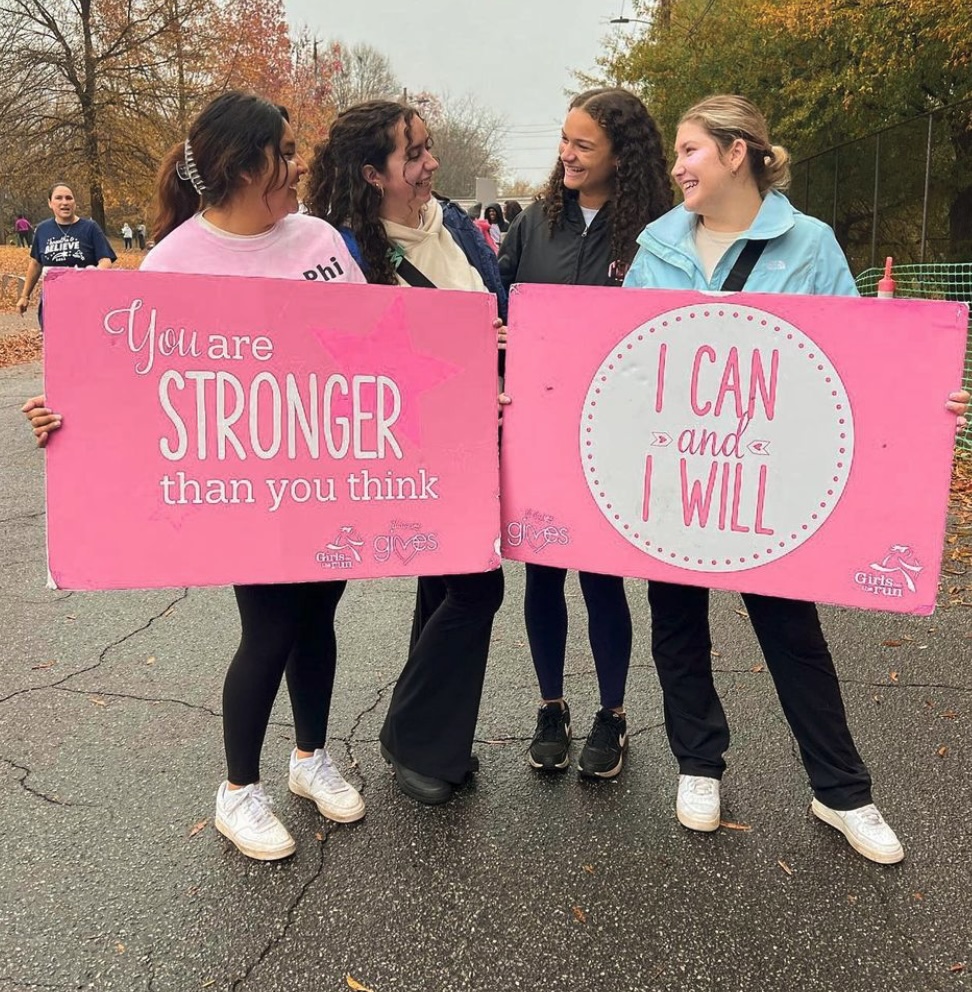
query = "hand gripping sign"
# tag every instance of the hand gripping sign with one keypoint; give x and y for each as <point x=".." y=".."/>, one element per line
<point x="237" y="430"/>
<point x="792" y="446"/>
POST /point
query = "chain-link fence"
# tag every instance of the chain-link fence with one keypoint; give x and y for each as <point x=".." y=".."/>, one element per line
<point x="904" y="191"/>
<point x="931" y="282"/>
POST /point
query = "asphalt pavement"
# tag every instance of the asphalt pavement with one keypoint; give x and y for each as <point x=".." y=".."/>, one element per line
<point x="114" y="878"/>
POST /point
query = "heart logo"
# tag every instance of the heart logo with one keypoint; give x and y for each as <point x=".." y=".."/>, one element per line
<point x="405" y="550"/>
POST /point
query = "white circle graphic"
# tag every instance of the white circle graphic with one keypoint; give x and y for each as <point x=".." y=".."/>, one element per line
<point x="716" y="437"/>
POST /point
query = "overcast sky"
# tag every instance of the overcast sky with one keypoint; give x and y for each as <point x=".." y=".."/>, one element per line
<point x="513" y="56"/>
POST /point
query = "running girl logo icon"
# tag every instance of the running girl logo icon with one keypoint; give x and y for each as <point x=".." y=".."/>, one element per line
<point x="894" y="575"/>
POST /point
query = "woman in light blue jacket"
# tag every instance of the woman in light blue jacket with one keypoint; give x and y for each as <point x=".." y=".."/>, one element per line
<point x="731" y="177"/>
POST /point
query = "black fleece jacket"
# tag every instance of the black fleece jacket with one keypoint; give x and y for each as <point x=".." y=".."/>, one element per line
<point x="574" y="255"/>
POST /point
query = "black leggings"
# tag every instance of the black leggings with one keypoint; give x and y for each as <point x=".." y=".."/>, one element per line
<point x="286" y="628"/>
<point x="431" y="719"/>
<point x="608" y="628"/>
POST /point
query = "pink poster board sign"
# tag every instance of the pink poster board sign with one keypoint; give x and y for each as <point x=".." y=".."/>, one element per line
<point x="229" y="430"/>
<point x="792" y="446"/>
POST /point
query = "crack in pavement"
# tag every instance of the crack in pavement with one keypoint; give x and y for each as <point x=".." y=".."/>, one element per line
<point x="275" y="941"/>
<point x="142" y="699"/>
<point x="349" y="743"/>
<point x="53" y="800"/>
<point x="22" y="516"/>
<point x="20" y="985"/>
<point x="101" y="657"/>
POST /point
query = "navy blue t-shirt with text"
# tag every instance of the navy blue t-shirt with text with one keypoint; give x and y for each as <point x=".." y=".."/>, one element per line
<point x="76" y="245"/>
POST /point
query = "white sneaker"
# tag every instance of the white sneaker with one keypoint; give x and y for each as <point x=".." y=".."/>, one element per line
<point x="244" y="816"/>
<point x="865" y="831"/>
<point x="697" y="806"/>
<point x="318" y="779"/>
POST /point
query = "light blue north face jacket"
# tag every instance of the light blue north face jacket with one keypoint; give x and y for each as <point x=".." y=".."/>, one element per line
<point x="802" y="254"/>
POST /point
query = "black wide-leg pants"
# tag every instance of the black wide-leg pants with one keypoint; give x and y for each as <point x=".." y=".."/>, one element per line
<point x="431" y="720"/>
<point x="803" y="672"/>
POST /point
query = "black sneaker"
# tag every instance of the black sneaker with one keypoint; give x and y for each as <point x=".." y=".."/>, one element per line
<point x="603" y="754"/>
<point x="550" y="748"/>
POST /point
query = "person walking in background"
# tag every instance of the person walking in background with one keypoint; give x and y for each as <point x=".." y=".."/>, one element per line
<point x="482" y="226"/>
<point x="372" y="178"/>
<point x="227" y="205"/>
<point x="140" y="235"/>
<point x="511" y="209"/>
<point x="65" y="240"/>
<point x="23" y="228"/>
<point x="732" y="179"/>
<point x="126" y="233"/>
<point x="497" y="225"/>
<point x="610" y="179"/>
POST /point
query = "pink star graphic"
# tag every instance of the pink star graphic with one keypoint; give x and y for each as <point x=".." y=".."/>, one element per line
<point x="387" y="349"/>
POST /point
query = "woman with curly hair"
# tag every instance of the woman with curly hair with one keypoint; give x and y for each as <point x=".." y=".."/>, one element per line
<point x="372" y="179"/>
<point x="609" y="181"/>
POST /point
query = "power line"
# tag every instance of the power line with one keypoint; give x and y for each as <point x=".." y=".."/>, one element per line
<point x="701" y="16"/>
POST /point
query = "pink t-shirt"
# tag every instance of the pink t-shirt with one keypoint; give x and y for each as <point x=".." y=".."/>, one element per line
<point x="297" y="247"/>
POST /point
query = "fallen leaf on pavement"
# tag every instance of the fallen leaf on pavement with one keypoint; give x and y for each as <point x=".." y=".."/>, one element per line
<point x="891" y="644"/>
<point x="319" y="836"/>
<point x="579" y="914"/>
<point x="918" y="896"/>
<point x="356" y="985"/>
<point x="957" y="967"/>
<point x="949" y="715"/>
<point x="756" y="669"/>
<point x="197" y="828"/>
<point x="716" y="654"/>
<point x="743" y="614"/>
<point x="851" y="898"/>
<point x="785" y="867"/>
<point x="589" y="869"/>
<point x="150" y="660"/>
<point x="42" y="666"/>
<point x="894" y="677"/>
<point x="120" y="948"/>
<point x="942" y="751"/>
<point x="729" y="825"/>
<point x="97" y="701"/>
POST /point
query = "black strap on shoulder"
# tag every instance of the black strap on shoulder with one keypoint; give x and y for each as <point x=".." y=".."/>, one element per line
<point x="414" y="276"/>
<point x="747" y="259"/>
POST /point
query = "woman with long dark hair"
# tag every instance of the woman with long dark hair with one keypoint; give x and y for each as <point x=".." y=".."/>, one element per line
<point x="372" y="178"/>
<point x="227" y="205"/>
<point x="609" y="180"/>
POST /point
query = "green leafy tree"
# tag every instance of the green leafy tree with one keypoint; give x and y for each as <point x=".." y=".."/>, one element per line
<point x="824" y="72"/>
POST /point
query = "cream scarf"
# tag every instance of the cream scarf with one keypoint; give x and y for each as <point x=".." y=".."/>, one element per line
<point x="432" y="251"/>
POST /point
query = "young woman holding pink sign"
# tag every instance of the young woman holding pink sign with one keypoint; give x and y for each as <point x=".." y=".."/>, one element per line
<point x="731" y="177"/>
<point x="610" y="179"/>
<point x="227" y="205"/>
<point x="372" y="178"/>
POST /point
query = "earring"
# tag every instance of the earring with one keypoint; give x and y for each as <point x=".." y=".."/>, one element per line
<point x="381" y="190"/>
